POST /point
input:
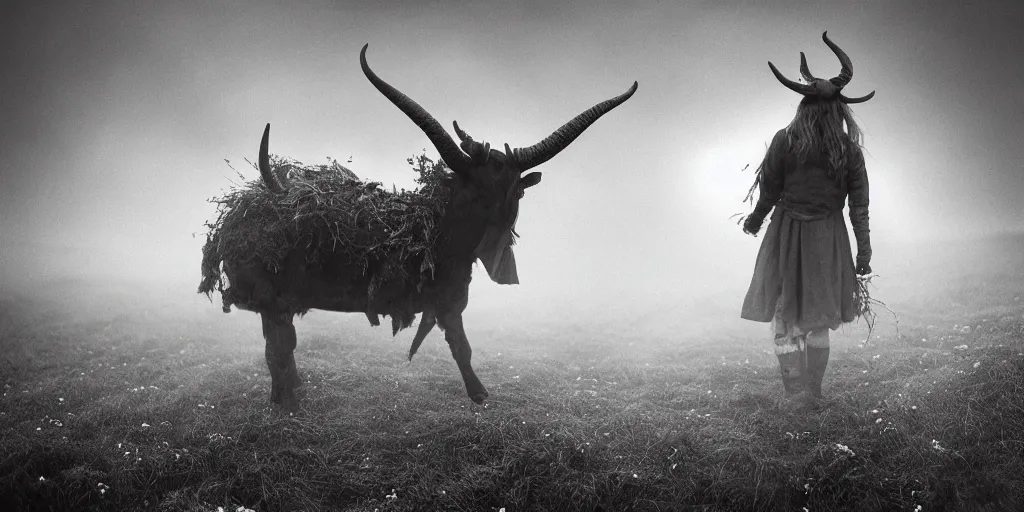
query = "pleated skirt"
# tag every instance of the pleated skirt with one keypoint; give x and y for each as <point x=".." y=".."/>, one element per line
<point x="804" y="274"/>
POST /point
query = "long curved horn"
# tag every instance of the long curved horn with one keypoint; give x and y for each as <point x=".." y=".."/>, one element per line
<point x="264" y="163"/>
<point x="561" y="138"/>
<point x="847" y="72"/>
<point x="804" y="70"/>
<point x="861" y="99"/>
<point x="450" y="152"/>
<point x="805" y="89"/>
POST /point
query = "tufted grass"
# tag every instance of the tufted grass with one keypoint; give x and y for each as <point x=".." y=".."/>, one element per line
<point x="168" y="409"/>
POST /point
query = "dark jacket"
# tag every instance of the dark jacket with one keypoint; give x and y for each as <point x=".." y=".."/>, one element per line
<point x="805" y="189"/>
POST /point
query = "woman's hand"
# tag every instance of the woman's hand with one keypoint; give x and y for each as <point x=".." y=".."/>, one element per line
<point x="863" y="268"/>
<point x="751" y="226"/>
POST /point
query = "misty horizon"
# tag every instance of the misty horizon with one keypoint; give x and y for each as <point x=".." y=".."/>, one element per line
<point x="119" y="119"/>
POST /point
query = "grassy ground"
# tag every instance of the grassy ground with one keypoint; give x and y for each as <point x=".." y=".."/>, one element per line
<point x="114" y="401"/>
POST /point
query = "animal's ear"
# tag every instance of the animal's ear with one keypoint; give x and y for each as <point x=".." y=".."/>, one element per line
<point x="530" y="180"/>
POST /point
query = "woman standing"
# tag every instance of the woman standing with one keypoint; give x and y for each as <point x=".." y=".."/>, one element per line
<point x="804" y="279"/>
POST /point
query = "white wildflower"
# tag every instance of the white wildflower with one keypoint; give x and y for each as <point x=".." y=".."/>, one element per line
<point x="879" y="420"/>
<point x="977" y="364"/>
<point x="144" y="425"/>
<point x="937" y="446"/>
<point x="842" y="448"/>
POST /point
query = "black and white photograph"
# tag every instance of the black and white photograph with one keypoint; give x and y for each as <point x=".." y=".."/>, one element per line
<point x="507" y="256"/>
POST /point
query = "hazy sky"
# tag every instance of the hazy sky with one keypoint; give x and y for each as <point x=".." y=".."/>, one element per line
<point x="117" y="119"/>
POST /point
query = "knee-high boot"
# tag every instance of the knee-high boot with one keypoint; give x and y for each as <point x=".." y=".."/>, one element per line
<point x="817" y="360"/>
<point x="791" y="365"/>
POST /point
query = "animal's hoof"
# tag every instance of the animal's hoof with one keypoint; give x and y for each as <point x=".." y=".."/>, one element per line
<point x="479" y="396"/>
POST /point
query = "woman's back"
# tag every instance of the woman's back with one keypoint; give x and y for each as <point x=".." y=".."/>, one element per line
<point x="807" y="185"/>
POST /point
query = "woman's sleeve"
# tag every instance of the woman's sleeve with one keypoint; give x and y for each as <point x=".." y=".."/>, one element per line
<point x="771" y="181"/>
<point x="857" y="184"/>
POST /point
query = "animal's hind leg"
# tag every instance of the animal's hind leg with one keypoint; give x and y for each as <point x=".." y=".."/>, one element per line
<point x="455" y="335"/>
<point x="279" y="333"/>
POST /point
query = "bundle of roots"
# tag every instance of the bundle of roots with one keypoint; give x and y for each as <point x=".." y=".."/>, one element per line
<point x="865" y="304"/>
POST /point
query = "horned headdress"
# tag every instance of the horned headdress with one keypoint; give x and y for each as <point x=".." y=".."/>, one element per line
<point x="819" y="87"/>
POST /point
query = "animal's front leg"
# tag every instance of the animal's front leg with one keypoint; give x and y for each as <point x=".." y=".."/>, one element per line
<point x="455" y="335"/>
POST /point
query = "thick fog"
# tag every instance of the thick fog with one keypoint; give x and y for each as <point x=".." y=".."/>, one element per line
<point x="118" y="118"/>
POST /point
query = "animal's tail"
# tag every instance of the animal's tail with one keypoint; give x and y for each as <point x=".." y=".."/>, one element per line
<point x="426" y="324"/>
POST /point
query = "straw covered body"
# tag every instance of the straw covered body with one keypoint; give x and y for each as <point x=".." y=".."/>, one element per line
<point x="327" y="222"/>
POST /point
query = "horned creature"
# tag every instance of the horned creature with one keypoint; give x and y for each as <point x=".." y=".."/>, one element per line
<point x="485" y="186"/>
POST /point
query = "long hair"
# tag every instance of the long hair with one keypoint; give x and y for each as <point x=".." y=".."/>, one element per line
<point x="817" y="129"/>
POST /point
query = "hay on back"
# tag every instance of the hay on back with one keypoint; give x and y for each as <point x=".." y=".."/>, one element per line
<point x="326" y="212"/>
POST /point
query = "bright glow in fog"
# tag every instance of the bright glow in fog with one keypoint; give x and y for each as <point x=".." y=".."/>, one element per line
<point x="118" y="118"/>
